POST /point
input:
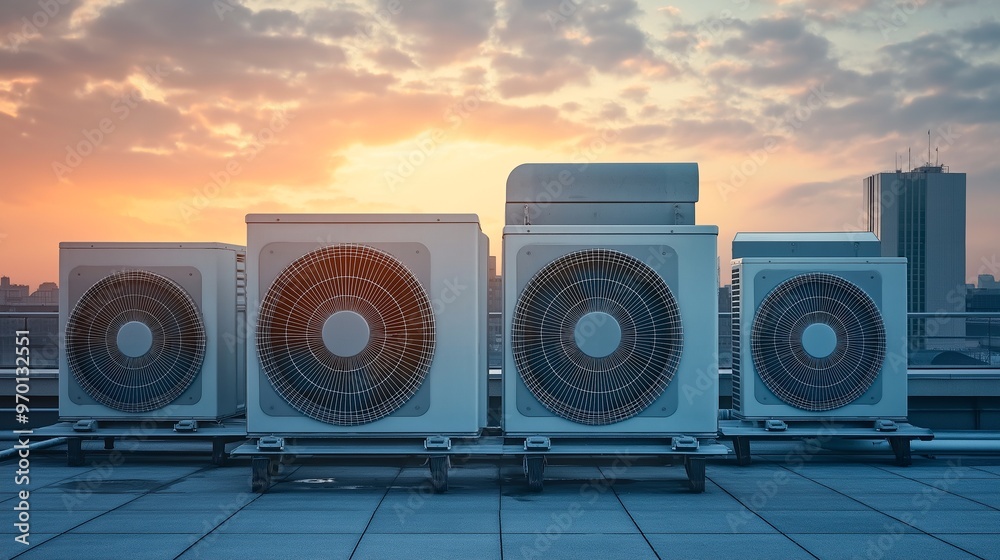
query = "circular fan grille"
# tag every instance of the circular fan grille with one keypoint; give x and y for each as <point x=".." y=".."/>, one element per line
<point x="818" y="341"/>
<point x="346" y="334"/>
<point x="135" y="341"/>
<point x="596" y="336"/>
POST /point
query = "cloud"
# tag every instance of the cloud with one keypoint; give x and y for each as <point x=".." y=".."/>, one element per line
<point x="443" y="31"/>
<point x="549" y="44"/>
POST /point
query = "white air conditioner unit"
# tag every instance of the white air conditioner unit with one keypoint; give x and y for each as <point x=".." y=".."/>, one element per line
<point x="610" y="330"/>
<point x="152" y="331"/>
<point x="367" y="325"/>
<point x="816" y="336"/>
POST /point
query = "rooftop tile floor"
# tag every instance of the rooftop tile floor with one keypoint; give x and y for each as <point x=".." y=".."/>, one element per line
<point x="165" y="500"/>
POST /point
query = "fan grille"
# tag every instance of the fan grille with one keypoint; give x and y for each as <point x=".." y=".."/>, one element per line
<point x="313" y="365"/>
<point x="578" y="295"/>
<point x="781" y="358"/>
<point x="108" y="368"/>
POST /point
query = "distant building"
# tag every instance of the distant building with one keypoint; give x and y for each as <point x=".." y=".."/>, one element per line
<point x="12" y="294"/>
<point x="725" y="327"/>
<point x="984" y="299"/>
<point x="46" y="294"/>
<point x="18" y="297"/>
<point x="920" y="215"/>
<point x="494" y="324"/>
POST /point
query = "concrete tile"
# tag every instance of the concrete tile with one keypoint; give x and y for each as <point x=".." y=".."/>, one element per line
<point x="963" y="522"/>
<point x="882" y="486"/>
<point x="526" y="501"/>
<point x="984" y="546"/>
<point x="991" y="499"/>
<point x="48" y="522"/>
<point x="282" y="498"/>
<point x="425" y="500"/>
<point x="221" y="546"/>
<point x="151" y="547"/>
<point x="989" y="470"/>
<point x="272" y="522"/>
<point x="848" y="471"/>
<point x="377" y="546"/>
<point x="711" y="547"/>
<point x="346" y="476"/>
<point x="964" y="485"/>
<point x="931" y="501"/>
<point x="132" y="522"/>
<point x="574" y="520"/>
<point x="735" y="520"/>
<point x="166" y="501"/>
<point x="220" y="485"/>
<point x="885" y="545"/>
<point x="421" y="521"/>
<point x="790" y="501"/>
<point x="69" y="501"/>
<point x="649" y="500"/>
<point x="573" y="547"/>
<point x="833" y="522"/>
<point x="83" y="486"/>
<point x="34" y="539"/>
<point x="161" y="473"/>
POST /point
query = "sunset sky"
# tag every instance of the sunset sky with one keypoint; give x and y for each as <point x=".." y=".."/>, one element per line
<point x="130" y="120"/>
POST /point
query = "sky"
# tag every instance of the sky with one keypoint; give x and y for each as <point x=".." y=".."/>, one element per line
<point x="154" y="120"/>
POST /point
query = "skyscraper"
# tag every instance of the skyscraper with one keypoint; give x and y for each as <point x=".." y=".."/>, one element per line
<point x="920" y="215"/>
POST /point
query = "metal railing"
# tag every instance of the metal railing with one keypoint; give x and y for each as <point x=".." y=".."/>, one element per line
<point x="936" y="340"/>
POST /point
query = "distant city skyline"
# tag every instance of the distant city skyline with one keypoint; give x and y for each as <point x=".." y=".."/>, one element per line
<point x="141" y="120"/>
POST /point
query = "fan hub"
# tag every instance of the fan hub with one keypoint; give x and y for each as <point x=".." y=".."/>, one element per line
<point x="597" y="334"/>
<point x="134" y="339"/>
<point x="819" y="340"/>
<point x="346" y="333"/>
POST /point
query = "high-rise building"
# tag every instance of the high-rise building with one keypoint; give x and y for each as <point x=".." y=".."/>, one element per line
<point x="920" y="215"/>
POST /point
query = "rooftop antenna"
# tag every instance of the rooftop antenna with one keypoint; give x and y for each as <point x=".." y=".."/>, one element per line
<point x="909" y="158"/>
<point x="928" y="147"/>
<point x="937" y="162"/>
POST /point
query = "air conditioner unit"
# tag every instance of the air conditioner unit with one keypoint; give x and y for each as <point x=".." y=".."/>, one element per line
<point x="819" y="328"/>
<point x="367" y="325"/>
<point x="610" y="302"/>
<point x="610" y="330"/>
<point x="152" y="331"/>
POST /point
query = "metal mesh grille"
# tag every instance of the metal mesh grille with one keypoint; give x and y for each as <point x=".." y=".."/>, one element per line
<point x="157" y="377"/>
<point x="784" y="365"/>
<point x="568" y="381"/>
<point x="354" y="389"/>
